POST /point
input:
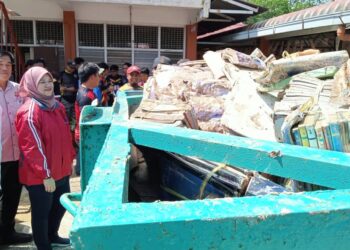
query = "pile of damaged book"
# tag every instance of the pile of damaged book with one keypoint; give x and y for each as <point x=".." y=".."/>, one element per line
<point x="216" y="94"/>
<point x="315" y="109"/>
<point x="324" y="131"/>
<point x="301" y="99"/>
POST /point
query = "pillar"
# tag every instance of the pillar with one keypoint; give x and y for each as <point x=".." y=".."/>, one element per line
<point x="69" y="35"/>
<point x="191" y="41"/>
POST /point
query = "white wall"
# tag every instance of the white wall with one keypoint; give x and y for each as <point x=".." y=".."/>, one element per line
<point x="194" y="4"/>
<point x="35" y="9"/>
<point x="103" y="12"/>
<point x="114" y="13"/>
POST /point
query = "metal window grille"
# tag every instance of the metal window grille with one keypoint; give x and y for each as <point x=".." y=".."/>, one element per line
<point x="118" y="57"/>
<point x="23" y="31"/>
<point x="174" y="56"/>
<point x="146" y="37"/>
<point x="145" y="58"/>
<point x="119" y="36"/>
<point x="50" y="33"/>
<point x="172" y="38"/>
<point x="92" y="55"/>
<point x="90" y="35"/>
<point x="61" y="59"/>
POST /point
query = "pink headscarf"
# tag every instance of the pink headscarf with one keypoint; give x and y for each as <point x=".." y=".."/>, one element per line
<point x="29" y="86"/>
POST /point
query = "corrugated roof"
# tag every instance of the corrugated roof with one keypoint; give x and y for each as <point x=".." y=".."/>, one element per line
<point x="337" y="6"/>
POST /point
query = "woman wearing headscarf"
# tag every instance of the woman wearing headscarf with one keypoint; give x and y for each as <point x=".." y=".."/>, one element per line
<point x="46" y="155"/>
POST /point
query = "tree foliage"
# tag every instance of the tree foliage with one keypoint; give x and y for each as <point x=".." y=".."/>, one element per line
<point x="280" y="7"/>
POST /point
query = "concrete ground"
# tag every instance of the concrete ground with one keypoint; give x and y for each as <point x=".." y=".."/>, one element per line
<point x="23" y="219"/>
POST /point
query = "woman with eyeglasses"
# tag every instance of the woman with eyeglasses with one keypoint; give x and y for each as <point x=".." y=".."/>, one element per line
<point x="46" y="155"/>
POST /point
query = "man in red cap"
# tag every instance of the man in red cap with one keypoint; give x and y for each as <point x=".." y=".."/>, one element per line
<point x="133" y="75"/>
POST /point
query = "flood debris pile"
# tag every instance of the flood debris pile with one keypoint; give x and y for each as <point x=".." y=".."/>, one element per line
<point x="250" y="95"/>
<point x="216" y="91"/>
<point x="302" y="99"/>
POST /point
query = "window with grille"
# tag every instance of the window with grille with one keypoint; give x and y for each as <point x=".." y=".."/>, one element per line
<point x="146" y="37"/>
<point x="90" y="35"/>
<point x="92" y="55"/>
<point x="172" y="38"/>
<point x="50" y="33"/>
<point x="117" y="49"/>
<point x="61" y="59"/>
<point x="23" y="31"/>
<point x="118" y="57"/>
<point x="119" y="36"/>
<point x="174" y="56"/>
<point x="145" y="58"/>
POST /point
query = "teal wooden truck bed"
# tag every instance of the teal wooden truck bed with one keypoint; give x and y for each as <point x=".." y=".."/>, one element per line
<point x="105" y="219"/>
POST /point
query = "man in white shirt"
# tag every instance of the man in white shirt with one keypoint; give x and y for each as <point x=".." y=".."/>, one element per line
<point x="11" y="188"/>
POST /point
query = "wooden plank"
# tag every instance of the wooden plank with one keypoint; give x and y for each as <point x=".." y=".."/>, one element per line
<point x="298" y="221"/>
<point x="316" y="220"/>
<point x="325" y="168"/>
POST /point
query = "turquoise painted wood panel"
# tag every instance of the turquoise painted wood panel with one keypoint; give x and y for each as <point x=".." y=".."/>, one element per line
<point x="322" y="167"/>
<point x="94" y="125"/>
<point x="311" y="220"/>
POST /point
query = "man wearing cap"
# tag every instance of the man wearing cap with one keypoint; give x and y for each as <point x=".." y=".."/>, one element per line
<point x="133" y="75"/>
<point x="69" y="87"/>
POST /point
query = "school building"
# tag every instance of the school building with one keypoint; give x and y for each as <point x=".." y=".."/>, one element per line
<point x="117" y="31"/>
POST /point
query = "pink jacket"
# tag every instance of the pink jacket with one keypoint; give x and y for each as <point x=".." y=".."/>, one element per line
<point x="10" y="103"/>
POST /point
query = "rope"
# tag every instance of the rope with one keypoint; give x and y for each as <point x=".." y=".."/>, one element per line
<point x="173" y="192"/>
<point x="207" y="178"/>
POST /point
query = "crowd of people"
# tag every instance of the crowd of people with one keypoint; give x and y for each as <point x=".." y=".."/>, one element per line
<point x="40" y="136"/>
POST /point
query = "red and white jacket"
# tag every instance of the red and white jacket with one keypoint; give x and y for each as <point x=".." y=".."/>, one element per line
<point x="45" y="143"/>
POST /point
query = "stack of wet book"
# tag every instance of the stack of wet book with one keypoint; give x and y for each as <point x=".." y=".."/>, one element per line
<point x="301" y="89"/>
<point x="324" y="131"/>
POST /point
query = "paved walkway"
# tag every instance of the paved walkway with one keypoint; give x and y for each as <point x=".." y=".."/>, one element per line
<point x="23" y="219"/>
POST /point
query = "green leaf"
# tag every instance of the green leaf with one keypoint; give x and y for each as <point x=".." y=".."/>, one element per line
<point x="280" y="7"/>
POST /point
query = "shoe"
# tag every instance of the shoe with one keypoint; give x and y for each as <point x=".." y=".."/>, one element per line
<point x="16" y="238"/>
<point x="60" y="242"/>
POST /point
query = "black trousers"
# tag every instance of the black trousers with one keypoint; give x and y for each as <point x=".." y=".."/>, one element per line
<point x="11" y="194"/>
<point x="47" y="212"/>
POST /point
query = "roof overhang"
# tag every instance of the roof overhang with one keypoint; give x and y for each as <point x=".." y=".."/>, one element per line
<point x="218" y="14"/>
<point x="318" y="19"/>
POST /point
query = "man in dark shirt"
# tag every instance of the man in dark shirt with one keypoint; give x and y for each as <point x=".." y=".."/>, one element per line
<point x="114" y="78"/>
<point x="69" y="86"/>
<point x="89" y="78"/>
<point x="114" y="81"/>
<point x="124" y="76"/>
